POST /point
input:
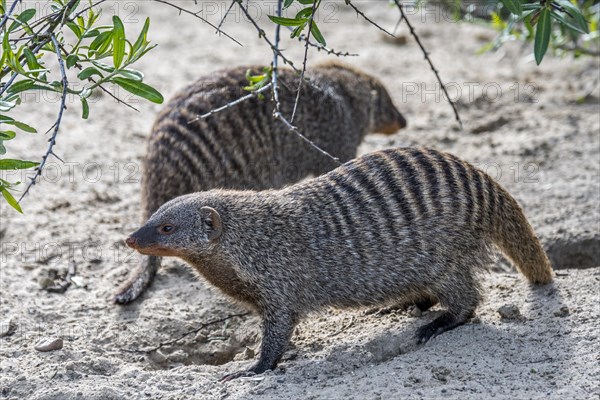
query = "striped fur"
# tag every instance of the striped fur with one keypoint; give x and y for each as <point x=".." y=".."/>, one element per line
<point x="246" y="148"/>
<point x="406" y="225"/>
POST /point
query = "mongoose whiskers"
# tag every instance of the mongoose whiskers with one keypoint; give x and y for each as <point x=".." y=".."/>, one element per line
<point x="400" y="225"/>
<point x="246" y="148"/>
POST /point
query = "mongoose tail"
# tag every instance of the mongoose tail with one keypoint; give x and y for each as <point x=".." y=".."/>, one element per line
<point x="515" y="237"/>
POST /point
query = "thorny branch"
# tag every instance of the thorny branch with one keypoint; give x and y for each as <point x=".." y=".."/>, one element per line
<point x="359" y="12"/>
<point x="197" y="15"/>
<point x="193" y="331"/>
<point x="231" y="104"/>
<point x="426" y="54"/>
<point x="302" y="37"/>
<point x="56" y="126"/>
<point x="274" y="83"/>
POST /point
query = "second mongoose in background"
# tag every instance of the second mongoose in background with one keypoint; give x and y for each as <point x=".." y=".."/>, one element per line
<point x="404" y="225"/>
<point x="244" y="147"/>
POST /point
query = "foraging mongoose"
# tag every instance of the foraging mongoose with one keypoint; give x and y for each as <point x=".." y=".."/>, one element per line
<point x="244" y="147"/>
<point x="400" y="225"/>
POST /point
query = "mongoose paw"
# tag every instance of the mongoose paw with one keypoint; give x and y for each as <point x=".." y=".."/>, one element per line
<point x="235" y="375"/>
<point x="128" y="293"/>
<point x="427" y="332"/>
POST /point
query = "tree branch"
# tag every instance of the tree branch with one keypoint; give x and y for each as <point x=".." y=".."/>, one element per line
<point x="359" y="12"/>
<point x="56" y="126"/>
<point x="435" y="71"/>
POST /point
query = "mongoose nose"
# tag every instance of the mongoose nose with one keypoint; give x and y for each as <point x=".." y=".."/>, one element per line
<point x="130" y="241"/>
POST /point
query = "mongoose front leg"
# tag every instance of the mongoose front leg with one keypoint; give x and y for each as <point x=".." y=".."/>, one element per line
<point x="278" y="326"/>
<point x="141" y="279"/>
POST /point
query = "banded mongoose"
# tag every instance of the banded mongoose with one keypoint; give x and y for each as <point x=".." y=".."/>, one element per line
<point x="246" y="148"/>
<point x="405" y="225"/>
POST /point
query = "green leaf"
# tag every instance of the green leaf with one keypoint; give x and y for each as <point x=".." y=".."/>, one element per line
<point x="317" y="34"/>
<point x="100" y="43"/>
<point x="287" y="3"/>
<point x="514" y="6"/>
<point x="88" y="72"/>
<point x="11" y="200"/>
<point x="72" y="59"/>
<point x="21" y="125"/>
<point x="22" y="19"/>
<point x="75" y="28"/>
<point x="304" y="13"/>
<point x="542" y="35"/>
<point x="85" y="113"/>
<point x="566" y="23"/>
<point x="306" y="2"/>
<point x="7" y="135"/>
<point x="118" y="41"/>
<point x="575" y="14"/>
<point x="141" y="40"/>
<point x="9" y="164"/>
<point x="20" y="86"/>
<point x="139" y="89"/>
<point x="286" y="21"/>
<point x="131" y="74"/>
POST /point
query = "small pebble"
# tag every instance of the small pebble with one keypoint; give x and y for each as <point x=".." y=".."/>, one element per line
<point x="509" y="312"/>
<point x="563" y="312"/>
<point x="49" y="344"/>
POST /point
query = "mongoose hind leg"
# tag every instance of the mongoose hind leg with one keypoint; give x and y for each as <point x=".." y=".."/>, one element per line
<point x="460" y="307"/>
<point x="425" y="304"/>
<point x="139" y="281"/>
<point x="278" y="326"/>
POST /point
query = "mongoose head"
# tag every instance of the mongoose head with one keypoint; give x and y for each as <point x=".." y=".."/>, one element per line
<point x="182" y="227"/>
<point x="384" y="116"/>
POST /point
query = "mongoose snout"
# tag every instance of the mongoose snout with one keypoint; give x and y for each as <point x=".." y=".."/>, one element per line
<point x="405" y="225"/>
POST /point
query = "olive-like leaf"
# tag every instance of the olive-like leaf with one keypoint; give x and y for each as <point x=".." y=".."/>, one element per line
<point x="10" y="164"/>
<point x="542" y="35"/>
<point x="11" y="200"/>
<point x="139" y="89"/>
<point x="118" y="41"/>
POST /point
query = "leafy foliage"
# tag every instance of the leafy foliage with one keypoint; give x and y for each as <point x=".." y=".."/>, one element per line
<point x="564" y="26"/>
<point x="101" y="53"/>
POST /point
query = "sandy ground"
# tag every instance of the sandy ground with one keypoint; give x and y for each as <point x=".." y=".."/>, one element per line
<point x="535" y="129"/>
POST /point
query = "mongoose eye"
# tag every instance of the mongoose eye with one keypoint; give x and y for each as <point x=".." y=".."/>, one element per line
<point x="166" y="229"/>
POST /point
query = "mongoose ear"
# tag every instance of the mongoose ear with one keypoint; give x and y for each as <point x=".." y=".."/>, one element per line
<point x="212" y="220"/>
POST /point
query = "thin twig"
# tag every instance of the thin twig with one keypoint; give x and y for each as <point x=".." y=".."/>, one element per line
<point x="196" y="14"/>
<point x="231" y="104"/>
<point x="359" y="12"/>
<point x="52" y="141"/>
<point x="315" y="5"/>
<point x="295" y="130"/>
<point x="262" y="35"/>
<point x="193" y="331"/>
<point x="9" y="13"/>
<point x="435" y="71"/>
<point x="226" y="14"/>
<point x="327" y="50"/>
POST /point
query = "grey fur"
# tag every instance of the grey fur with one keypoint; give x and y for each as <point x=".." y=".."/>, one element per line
<point x="404" y="225"/>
